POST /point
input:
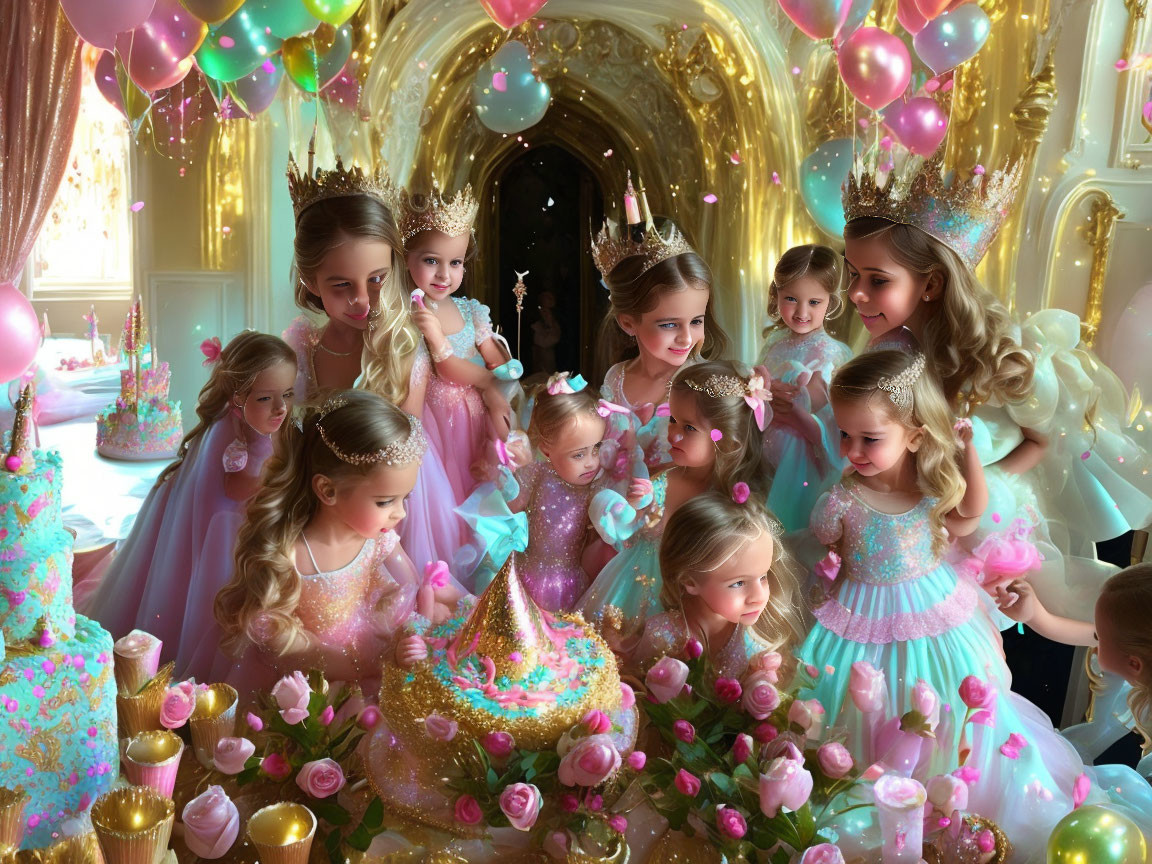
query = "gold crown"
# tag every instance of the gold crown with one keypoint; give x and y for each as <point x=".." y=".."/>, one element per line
<point x="615" y="243"/>
<point x="900" y="187"/>
<point x="308" y="188"/>
<point x="417" y="212"/>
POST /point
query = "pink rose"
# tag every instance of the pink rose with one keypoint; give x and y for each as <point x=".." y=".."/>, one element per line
<point x="436" y="575"/>
<point x="618" y="823"/>
<point x="760" y="695"/>
<point x="693" y="649"/>
<point x="926" y="702"/>
<point x="521" y="803"/>
<point x="731" y="822"/>
<point x="1012" y="747"/>
<point x="321" y="778"/>
<point x="684" y="731"/>
<point x="666" y="679"/>
<point x="275" y="766"/>
<point x="785" y="746"/>
<point x="231" y="754"/>
<point x="326" y="715"/>
<point x="597" y="722"/>
<point x="834" y="759"/>
<point x="728" y="691"/>
<point x="292" y="694"/>
<point x="976" y="693"/>
<point x="637" y="759"/>
<point x="968" y="775"/>
<point x="211" y="823"/>
<point x="499" y="745"/>
<point x="768" y="662"/>
<point x="369" y="718"/>
<point x="765" y="733"/>
<point x="591" y="761"/>
<point x="808" y="714"/>
<point x="467" y="811"/>
<point x="627" y="696"/>
<point x="822" y="853"/>
<point x="687" y="784"/>
<point x="786" y="783"/>
<point x="556" y="845"/>
<point x="947" y="793"/>
<point x="741" y="749"/>
<point x="866" y="686"/>
<point x="178" y="705"/>
<point x="254" y="722"/>
<point x="828" y="567"/>
<point x="569" y="803"/>
<point x="1080" y="789"/>
<point x="440" y="728"/>
<point x="897" y="793"/>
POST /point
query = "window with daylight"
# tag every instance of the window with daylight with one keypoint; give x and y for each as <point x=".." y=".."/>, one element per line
<point x="84" y="250"/>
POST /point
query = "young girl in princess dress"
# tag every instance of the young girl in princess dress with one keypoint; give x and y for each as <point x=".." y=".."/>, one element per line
<point x="349" y="264"/>
<point x="321" y="580"/>
<point x="803" y="446"/>
<point x="659" y="318"/>
<point x="567" y="429"/>
<point x="727" y="583"/>
<point x="716" y="424"/>
<point x="898" y="605"/>
<point x="164" y="576"/>
<point x="464" y="405"/>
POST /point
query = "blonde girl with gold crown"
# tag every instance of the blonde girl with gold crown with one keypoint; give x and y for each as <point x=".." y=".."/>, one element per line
<point x="321" y="580"/>
<point x="465" y="408"/>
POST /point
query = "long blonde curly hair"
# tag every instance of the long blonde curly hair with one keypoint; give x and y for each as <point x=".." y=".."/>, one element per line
<point x="258" y="606"/>
<point x="969" y="339"/>
<point x="1126" y="600"/>
<point x="233" y="374"/>
<point x="740" y="450"/>
<point x="709" y="529"/>
<point x="938" y="459"/>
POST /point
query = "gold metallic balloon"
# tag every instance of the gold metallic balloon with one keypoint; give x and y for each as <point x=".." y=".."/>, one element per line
<point x="1096" y="835"/>
<point x="212" y="11"/>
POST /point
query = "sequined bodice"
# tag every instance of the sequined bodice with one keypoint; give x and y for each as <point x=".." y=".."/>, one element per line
<point x="557" y="518"/>
<point x="876" y="548"/>
<point x="463" y="341"/>
<point x="786" y="354"/>
<point x="333" y="604"/>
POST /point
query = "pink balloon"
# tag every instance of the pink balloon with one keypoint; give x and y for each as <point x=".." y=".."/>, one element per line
<point x="875" y="66"/>
<point x="920" y="125"/>
<point x="256" y="91"/>
<point x="909" y="16"/>
<point x="158" y="53"/>
<point x="931" y="8"/>
<point x="98" y="21"/>
<point x="106" y="81"/>
<point x="511" y="13"/>
<point x="19" y="332"/>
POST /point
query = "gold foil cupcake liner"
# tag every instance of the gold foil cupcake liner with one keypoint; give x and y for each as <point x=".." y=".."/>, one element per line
<point x="152" y="759"/>
<point x="213" y="719"/>
<point x="133" y="825"/>
<point x="141" y="713"/>
<point x="12" y="804"/>
<point x="282" y="833"/>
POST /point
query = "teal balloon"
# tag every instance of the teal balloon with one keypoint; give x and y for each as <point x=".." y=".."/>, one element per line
<point x="506" y="94"/>
<point x="822" y="173"/>
<point x="953" y="37"/>
<point x="236" y="47"/>
<point x="285" y="18"/>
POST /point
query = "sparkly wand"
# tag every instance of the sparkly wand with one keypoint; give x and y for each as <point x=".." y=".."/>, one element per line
<point x="520" y="290"/>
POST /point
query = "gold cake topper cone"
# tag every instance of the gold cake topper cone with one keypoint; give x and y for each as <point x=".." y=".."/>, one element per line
<point x="19" y="458"/>
<point x="506" y="626"/>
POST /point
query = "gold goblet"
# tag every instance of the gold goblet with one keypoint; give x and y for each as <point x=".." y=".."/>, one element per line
<point x="152" y="759"/>
<point x="282" y="833"/>
<point x="214" y="718"/>
<point x="133" y="825"/>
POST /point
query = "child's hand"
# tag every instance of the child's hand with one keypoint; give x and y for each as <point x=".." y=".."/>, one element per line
<point x="519" y="451"/>
<point x="499" y="412"/>
<point x="639" y="489"/>
<point x="963" y="430"/>
<point x="782" y="396"/>
<point x="410" y="651"/>
<point x="428" y="325"/>
<point x="1018" y="601"/>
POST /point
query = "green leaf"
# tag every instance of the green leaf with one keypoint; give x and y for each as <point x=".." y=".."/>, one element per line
<point x="805" y="825"/>
<point x="331" y="813"/>
<point x="374" y="816"/>
<point x="332" y="846"/>
<point x="360" y="839"/>
<point x="493" y="780"/>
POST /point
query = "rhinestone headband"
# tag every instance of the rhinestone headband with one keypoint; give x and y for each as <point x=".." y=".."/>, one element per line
<point x="434" y="212"/>
<point x="899" y="387"/>
<point x="406" y="452"/>
<point x="721" y="386"/>
<point x="902" y="188"/>
<point x="306" y="188"/>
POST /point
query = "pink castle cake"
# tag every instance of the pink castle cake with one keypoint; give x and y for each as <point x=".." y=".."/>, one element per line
<point x="142" y="424"/>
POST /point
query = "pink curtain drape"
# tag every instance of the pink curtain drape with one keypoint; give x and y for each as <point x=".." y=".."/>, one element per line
<point x="39" y="101"/>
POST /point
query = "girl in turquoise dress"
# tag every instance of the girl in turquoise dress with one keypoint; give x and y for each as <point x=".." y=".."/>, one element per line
<point x="715" y="428"/>
<point x="802" y="444"/>
<point x="898" y="605"/>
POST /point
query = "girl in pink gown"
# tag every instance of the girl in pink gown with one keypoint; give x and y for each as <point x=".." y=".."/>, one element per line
<point x="321" y="580"/>
<point x="166" y="573"/>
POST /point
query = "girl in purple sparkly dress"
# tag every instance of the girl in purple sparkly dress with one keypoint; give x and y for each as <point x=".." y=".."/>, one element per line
<point x="545" y="503"/>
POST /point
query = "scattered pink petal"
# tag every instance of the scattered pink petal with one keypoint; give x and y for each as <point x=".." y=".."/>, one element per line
<point x="947" y="86"/>
<point x="715" y="434"/>
<point x="776" y="180"/>
<point x="1080" y="790"/>
<point x="932" y="85"/>
<point x="996" y="518"/>
<point x="978" y="170"/>
<point x="683" y="26"/>
<point x="795" y="70"/>
<point x="886" y="142"/>
<point x="500" y="81"/>
<point x="1121" y="64"/>
<point x="227" y="42"/>
<point x="735" y="158"/>
<point x="138" y="206"/>
<point x="1085" y="454"/>
<point x="268" y="66"/>
<point x="709" y="198"/>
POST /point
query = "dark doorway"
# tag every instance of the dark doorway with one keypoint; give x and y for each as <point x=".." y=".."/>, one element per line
<point x="548" y="199"/>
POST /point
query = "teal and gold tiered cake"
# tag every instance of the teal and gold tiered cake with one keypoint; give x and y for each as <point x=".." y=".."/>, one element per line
<point x="57" y="690"/>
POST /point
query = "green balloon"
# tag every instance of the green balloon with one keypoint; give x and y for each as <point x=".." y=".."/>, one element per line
<point x="285" y="18"/>
<point x="236" y="47"/>
<point x="1096" y="835"/>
